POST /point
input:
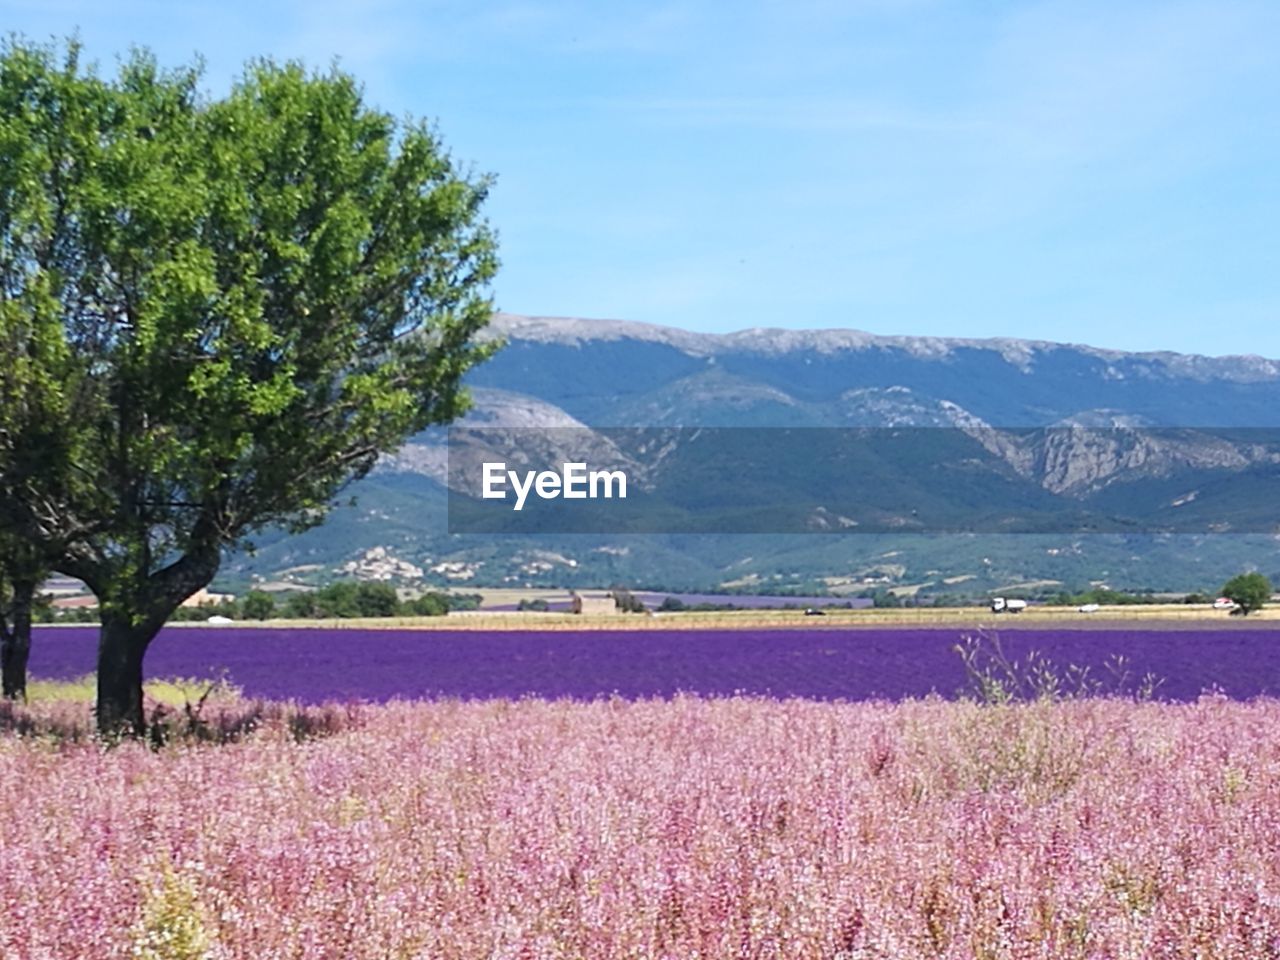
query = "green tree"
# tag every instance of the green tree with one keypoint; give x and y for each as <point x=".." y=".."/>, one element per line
<point x="46" y="111"/>
<point x="461" y="601"/>
<point x="1249" y="591"/>
<point x="338" y="601"/>
<point x="377" y="600"/>
<point x="626" y="601"/>
<point x="20" y="577"/>
<point x="432" y="604"/>
<point x="272" y="289"/>
<point x="301" y="606"/>
<point x="258" y="605"/>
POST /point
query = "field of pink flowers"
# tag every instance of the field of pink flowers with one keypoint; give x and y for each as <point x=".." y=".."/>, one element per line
<point x="693" y="828"/>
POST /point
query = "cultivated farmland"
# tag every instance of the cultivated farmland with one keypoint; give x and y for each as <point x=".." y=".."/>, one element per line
<point x="315" y="665"/>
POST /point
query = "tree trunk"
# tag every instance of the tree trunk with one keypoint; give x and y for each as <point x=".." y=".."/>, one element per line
<point x="121" y="647"/>
<point x="133" y="610"/>
<point x="15" y="645"/>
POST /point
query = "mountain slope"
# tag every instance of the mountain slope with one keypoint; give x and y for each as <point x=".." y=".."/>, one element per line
<point x="612" y="373"/>
<point x="578" y="374"/>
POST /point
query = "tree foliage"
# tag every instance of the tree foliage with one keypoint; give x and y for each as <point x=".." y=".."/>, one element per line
<point x="626" y="601"/>
<point x="260" y="294"/>
<point x="1249" y="591"/>
<point x="259" y="605"/>
<point x="338" y="601"/>
<point x="45" y="113"/>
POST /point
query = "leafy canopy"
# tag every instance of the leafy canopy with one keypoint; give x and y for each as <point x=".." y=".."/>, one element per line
<point x="50" y="116"/>
<point x="247" y="299"/>
<point x="1249" y="591"/>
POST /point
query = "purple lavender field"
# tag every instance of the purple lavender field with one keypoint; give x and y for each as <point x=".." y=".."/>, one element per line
<point x="314" y="665"/>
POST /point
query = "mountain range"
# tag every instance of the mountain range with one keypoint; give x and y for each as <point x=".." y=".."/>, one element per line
<point x="1069" y="431"/>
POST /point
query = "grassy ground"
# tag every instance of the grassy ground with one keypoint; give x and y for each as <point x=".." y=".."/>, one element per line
<point x="173" y="693"/>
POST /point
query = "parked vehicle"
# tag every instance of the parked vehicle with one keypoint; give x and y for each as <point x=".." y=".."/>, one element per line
<point x="1001" y="605"/>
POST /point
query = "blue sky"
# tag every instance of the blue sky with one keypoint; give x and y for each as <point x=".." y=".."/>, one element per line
<point x="1105" y="173"/>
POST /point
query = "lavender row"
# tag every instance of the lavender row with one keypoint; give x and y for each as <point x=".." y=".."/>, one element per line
<point x="314" y="665"/>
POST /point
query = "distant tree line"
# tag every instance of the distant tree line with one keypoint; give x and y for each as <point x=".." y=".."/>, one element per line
<point x="1104" y="597"/>
<point x="1249" y="591"/>
<point x="338" y="601"/>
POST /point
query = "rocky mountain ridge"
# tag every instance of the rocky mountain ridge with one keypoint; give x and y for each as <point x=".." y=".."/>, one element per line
<point x="1114" y="431"/>
<point x="1017" y="352"/>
